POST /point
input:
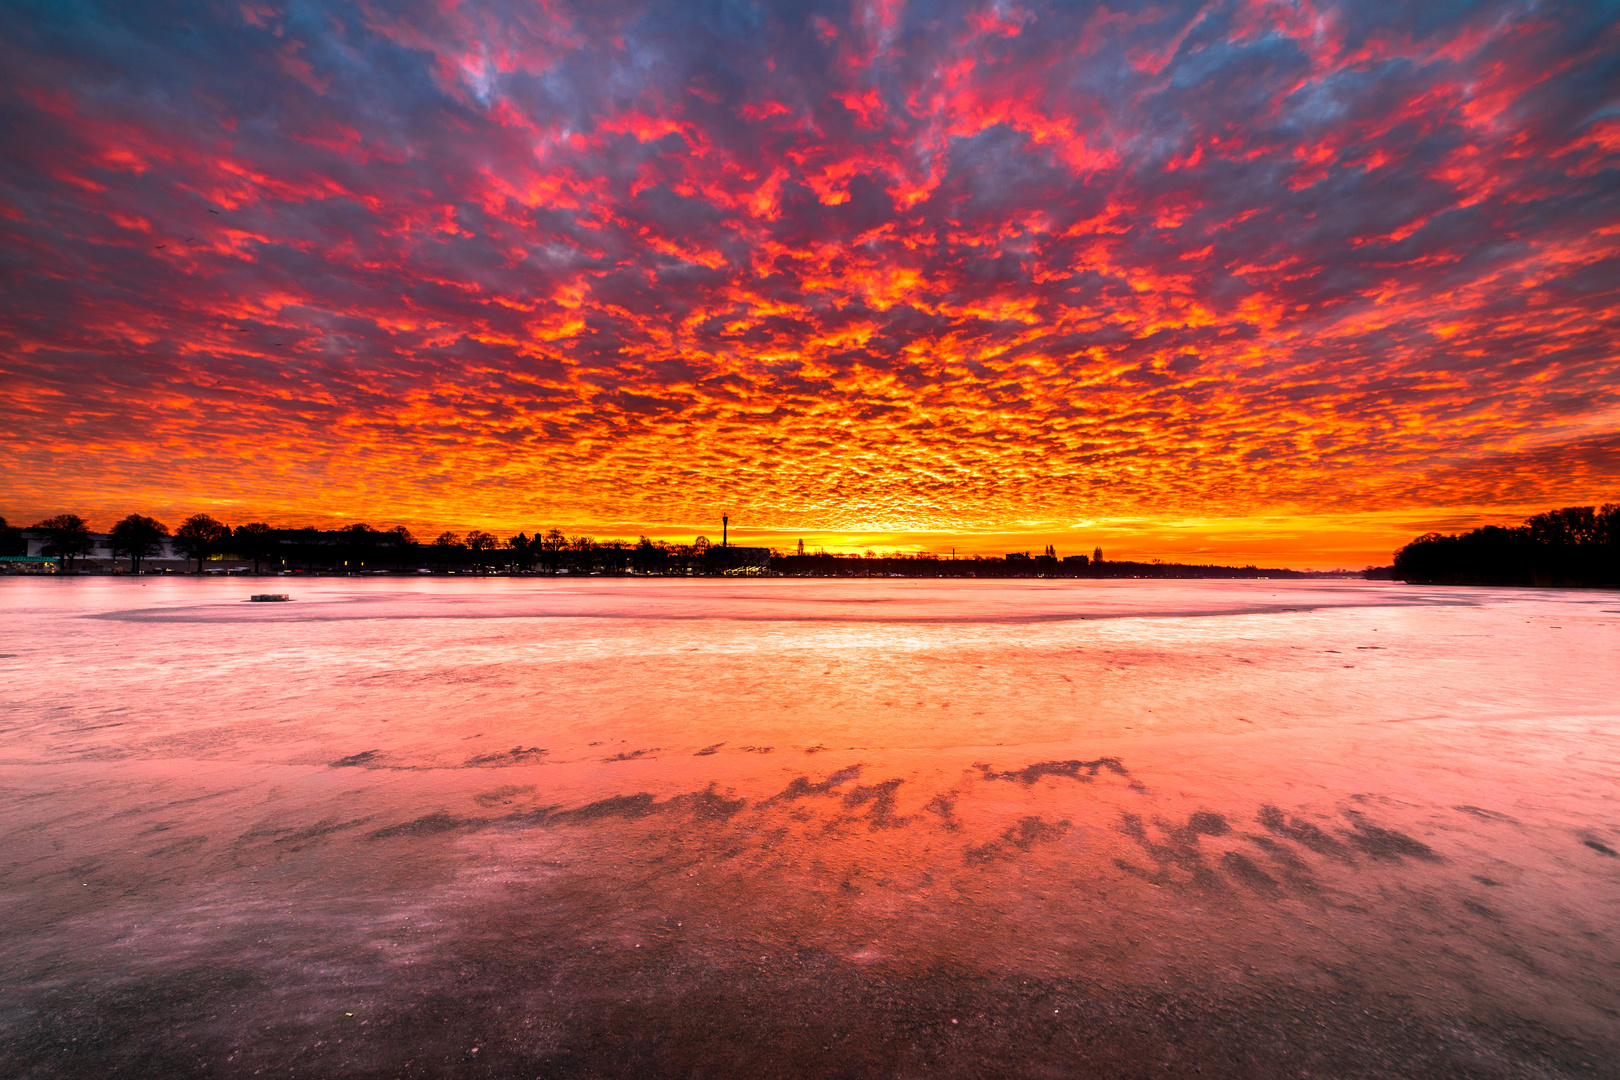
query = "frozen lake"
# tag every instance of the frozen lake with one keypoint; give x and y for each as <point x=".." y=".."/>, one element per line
<point x="710" y="828"/>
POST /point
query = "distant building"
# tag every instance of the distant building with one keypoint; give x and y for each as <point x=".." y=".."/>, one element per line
<point x="26" y="564"/>
<point x="100" y="557"/>
<point x="749" y="556"/>
<point x="727" y="559"/>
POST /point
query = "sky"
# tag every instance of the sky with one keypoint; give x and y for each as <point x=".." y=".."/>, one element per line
<point x="1224" y="281"/>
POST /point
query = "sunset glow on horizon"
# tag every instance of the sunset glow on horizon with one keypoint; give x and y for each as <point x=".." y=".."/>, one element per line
<point x="1224" y="282"/>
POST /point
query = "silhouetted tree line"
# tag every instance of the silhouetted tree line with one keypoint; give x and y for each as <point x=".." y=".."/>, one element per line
<point x="359" y="548"/>
<point x="67" y="538"/>
<point x="1199" y="570"/>
<point x="12" y="542"/>
<point x="1014" y="565"/>
<point x="1575" y="545"/>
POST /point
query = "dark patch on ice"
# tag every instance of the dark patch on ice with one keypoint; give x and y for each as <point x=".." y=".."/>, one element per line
<point x="1032" y="830"/>
<point x="1207" y="823"/>
<point x="433" y="824"/>
<point x="501" y="795"/>
<point x="190" y="801"/>
<point x="1244" y="869"/>
<point x="105" y="753"/>
<point x="1278" y="853"/>
<point x="881" y="815"/>
<point x="1381" y="843"/>
<point x="707" y="750"/>
<point x="982" y="853"/>
<point x="706" y="805"/>
<point x="1136" y="871"/>
<point x="1179" y="850"/>
<point x="518" y="755"/>
<point x="945" y="807"/>
<point x="638" y="805"/>
<point x="1131" y="825"/>
<point x="632" y="755"/>
<point x="1303" y="832"/>
<point x="1483" y="880"/>
<point x="527" y="819"/>
<point x="1480" y="909"/>
<point x="181" y="846"/>
<point x="1294" y="870"/>
<point x="1071" y="770"/>
<point x="320" y="829"/>
<point x="1488" y="815"/>
<point x="364" y="757"/>
<point x="1601" y="848"/>
<point x="801" y="786"/>
<point x="1022" y="836"/>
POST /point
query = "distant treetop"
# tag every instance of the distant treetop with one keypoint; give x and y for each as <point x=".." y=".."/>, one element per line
<point x="1574" y="545"/>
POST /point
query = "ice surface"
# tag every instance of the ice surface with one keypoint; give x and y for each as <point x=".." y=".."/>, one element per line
<point x="808" y="828"/>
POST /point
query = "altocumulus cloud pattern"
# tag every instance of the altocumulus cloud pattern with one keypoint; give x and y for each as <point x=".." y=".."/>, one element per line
<point x="876" y="265"/>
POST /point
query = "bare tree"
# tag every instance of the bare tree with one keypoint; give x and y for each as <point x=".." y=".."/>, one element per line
<point x="649" y="557"/>
<point x="400" y="539"/>
<point x="522" y="551"/>
<point x="443" y="544"/>
<point x="199" y="536"/>
<point x="551" y="546"/>
<point x="584" y="552"/>
<point x="359" y="541"/>
<point x="138" y="537"/>
<point x="68" y="538"/>
<point x="255" y="541"/>
<point x="614" y="556"/>
<point x="11" y="540"/>
<point x="480" y="541"/>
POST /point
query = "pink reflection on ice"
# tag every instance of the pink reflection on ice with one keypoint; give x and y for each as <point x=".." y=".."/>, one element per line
<point x="1150" y="784"/>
